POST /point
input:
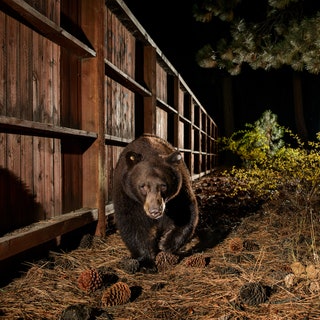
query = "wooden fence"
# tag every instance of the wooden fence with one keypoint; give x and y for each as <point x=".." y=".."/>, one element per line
<point x="79" y="80"/>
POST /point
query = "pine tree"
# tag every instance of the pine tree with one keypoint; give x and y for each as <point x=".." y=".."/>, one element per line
<point x="281" y="32"/>
<point x="269" y="128"/>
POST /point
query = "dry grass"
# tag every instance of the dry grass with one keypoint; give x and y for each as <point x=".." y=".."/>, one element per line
<point x="267" y="244"/>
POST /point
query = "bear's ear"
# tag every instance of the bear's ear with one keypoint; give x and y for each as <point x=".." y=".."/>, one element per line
<point x="133" y="158"/>
<point x="174" y="158"/>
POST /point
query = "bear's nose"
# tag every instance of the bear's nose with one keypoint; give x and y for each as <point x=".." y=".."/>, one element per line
<point x="155" y="213"/>
<point x="154" y="205"/>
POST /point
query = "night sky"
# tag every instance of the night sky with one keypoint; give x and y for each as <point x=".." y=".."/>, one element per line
<point x="179" y="37"/>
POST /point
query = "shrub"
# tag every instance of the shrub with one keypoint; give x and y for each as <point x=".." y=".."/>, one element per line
<point x="258" y="142"/>
<point x="270" y="164"/>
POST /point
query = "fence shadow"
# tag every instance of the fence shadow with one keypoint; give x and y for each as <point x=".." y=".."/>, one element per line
<point x="18" y="207"/>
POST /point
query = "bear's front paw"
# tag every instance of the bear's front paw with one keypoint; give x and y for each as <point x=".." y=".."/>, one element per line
<point x="147" y="266"/>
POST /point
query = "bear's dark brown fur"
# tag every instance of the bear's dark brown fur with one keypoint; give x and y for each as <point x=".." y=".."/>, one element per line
<point x="155" y="207"/>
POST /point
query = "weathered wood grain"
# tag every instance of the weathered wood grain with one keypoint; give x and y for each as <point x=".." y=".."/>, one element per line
<point x="78" y="81"/>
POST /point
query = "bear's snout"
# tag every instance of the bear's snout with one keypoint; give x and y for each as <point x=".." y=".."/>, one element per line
<point x="155" y="214"/>
<point x="154" y="205"/>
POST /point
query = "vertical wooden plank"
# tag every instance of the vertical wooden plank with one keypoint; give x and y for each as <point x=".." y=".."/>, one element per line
<point x="108" y="41"/>
<point x="177" y="104"/>
<point x="192" y="160"/>
<point x="108" y="173"/>
<point x="127" y="99"/>
<point x="150" y="80"/>
<point x="48" y="177"/>
<point x="216" y="143"/>
<point x="130" y="69"/>
<point x="109" y="110"/>
<point x="49" y="92"/>
<point x="108" y="34"/>
<point x="44" y="150"/>
<point x="38" y="110"/>
<point x="209" y="145"/>
<point x="3" y="150"/>
<point x="197" y="138"/>
<point x="13" y="96"/>
<point x="110" y="151"/>
<point x="3" y="64"/>
<point x="13" y="65"/>
<point x="70" y="117"/>
<point x="202" y="141"/>
<point x="25" y="72"/>
<point x="161" y="123"/>
<point x="187" y="130"/>
<point x="26" y="104"/>
<point x="114" y="40"/>
<point x="181" y="136"/>
<point x="93" y="110"/>
<point x="115" y="108"/>
<point x="131" y="65"/>
<point x="57" y="159"/>
<point x="181" y="139"/>
<point x="54" y="15"/>
<point x="54" y="11"/>
<point x="3" y="91"/>
<point x="161" y="83"/>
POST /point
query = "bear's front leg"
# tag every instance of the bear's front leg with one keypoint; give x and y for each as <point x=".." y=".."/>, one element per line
<point x="140" y="238"/>
<point x="175" y="238"/>
<point x="145" y="255"/>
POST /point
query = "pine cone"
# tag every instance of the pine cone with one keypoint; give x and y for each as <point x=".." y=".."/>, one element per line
<point x="250" y="245"/>
<point x="90" y="280"/>
<point x="227" y="270"/>
<point x="235" y="245"/>
<point x="298" y="269"/>
<point x="312" y="271"/>
<point x="253" y="293"/>
<point x="77" y="311"/>
<point x="129" y="265"/>
<point x="165" y="260"/>
<point x="118" y="293"/>
<point x="196" y="260"/>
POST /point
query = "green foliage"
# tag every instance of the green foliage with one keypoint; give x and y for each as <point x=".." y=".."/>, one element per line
<point x="270" y="164"/>
<point x="285" y="32"/>
<point x="224" y="10"/>
<point x="258" y="142"/>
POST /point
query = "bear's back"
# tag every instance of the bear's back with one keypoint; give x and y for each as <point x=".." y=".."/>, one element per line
<point x="150" y="146"/>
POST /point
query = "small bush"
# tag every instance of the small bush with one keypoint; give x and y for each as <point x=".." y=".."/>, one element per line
<point x="258" y="142"/>
<point x="271" y="164"/>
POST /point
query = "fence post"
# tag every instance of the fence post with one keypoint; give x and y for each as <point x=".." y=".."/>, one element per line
<point x="149" y="75"/>
<point x="93" y="110"/>
<point x="177" y="106"/>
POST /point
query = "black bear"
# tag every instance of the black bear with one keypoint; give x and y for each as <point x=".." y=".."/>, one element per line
<point x="155" y="206"/>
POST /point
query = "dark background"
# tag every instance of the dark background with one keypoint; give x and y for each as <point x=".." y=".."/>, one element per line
<point x="179" y="36"/>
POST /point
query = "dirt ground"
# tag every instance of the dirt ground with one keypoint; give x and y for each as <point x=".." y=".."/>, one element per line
<point x="248" y="260"/>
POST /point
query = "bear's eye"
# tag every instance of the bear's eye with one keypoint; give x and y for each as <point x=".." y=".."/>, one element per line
<point x="143" y="189"/>
<point x="163" y="187"/>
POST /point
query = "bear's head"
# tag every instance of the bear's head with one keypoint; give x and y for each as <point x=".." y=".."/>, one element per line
<point x="154" y="182"/>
